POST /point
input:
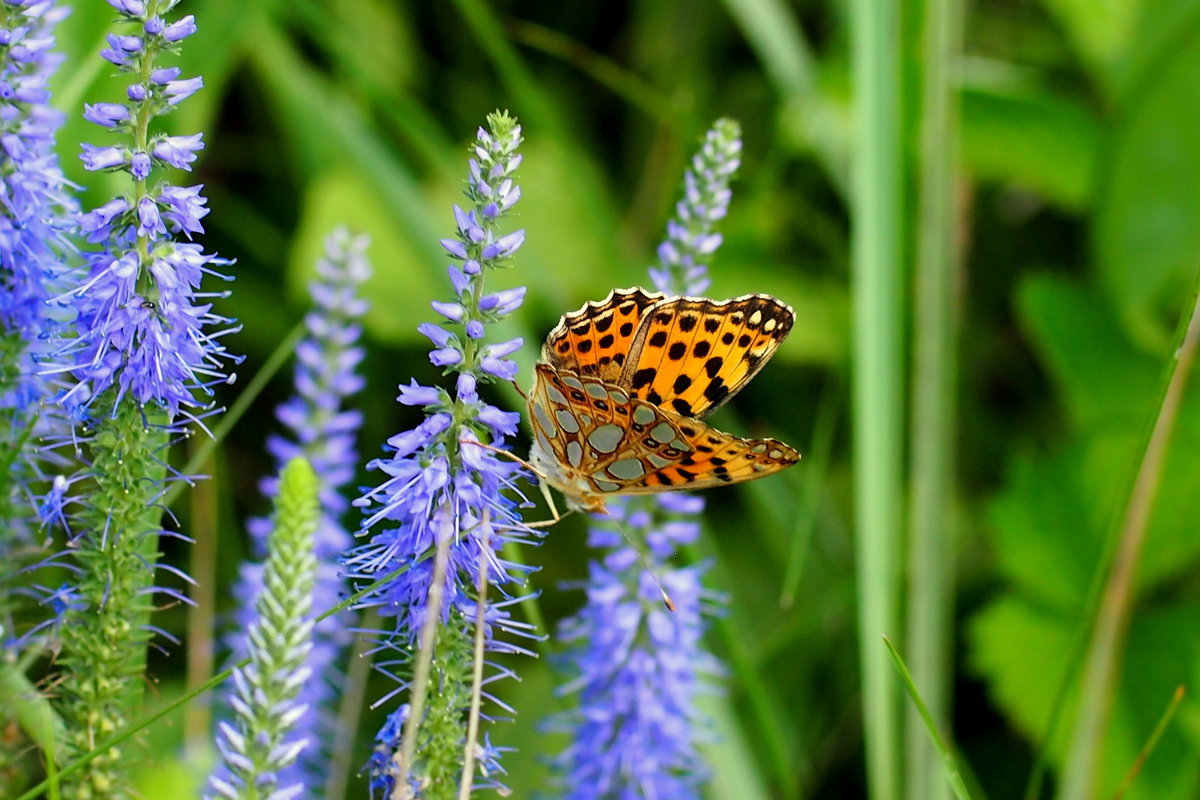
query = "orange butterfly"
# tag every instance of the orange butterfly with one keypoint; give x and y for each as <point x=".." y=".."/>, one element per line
<point x="623" y="384"/>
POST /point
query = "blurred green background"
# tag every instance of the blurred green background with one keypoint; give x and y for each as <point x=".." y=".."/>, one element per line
<point x="1077" y="228"/>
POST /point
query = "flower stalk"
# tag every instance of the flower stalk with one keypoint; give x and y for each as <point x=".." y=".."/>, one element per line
<point x="443" y="496"/>
<point x="635" y="668"/>
<point x="322" y="428"/>
<point x="261" y="744"/>
<point x="140" y="363"/>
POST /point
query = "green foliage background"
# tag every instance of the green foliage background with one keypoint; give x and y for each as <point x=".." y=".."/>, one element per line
<point x="1079" y="236"/>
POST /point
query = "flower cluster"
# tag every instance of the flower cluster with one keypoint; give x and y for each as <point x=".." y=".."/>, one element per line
<point x="691" y="236"/>
<point x="638" y="667"/>
<point x="36" y="208"/>
<point x="322" y="430"/>
<point x="635" y="667"/>
<point x="137" y="356"/>
<point x="143" y="325"/>
<point x="261" y="745"/>
<point x="442" y="492"/>
<point x="36" y="214"/>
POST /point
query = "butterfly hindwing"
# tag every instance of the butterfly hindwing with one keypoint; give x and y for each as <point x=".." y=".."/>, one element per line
<point x="595" y="339"/>
<point x="600" y="433"/>
<point x="607" y="442"/>
<point x="691" y="355"/>
<point x="718" y="459"/>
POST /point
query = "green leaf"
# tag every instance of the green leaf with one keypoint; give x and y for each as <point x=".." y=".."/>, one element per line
<point x="1099" y="31"/>
<point x="1022" y="650"/>
<point x="1042" y="142"/>
<point x="1072" y="328"/>
<point x="1145" y="238"/>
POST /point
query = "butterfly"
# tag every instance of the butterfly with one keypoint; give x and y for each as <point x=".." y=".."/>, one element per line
<point x="623" y="385"/>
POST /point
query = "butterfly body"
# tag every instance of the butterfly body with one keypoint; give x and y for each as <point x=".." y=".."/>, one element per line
<point x="623" y="385"/>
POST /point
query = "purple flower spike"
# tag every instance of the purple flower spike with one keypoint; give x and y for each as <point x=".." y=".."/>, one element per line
<point x="37" y="224"/>
<point x="442" y="482"/>
<point x="322" y="426"/>
<point x="142" y="325"/>
<point x="636" y="669"/>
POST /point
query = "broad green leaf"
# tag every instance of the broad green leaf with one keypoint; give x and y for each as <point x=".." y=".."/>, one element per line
<point x="1022" y="649"/>
<point x="1042" y="142"/>
<point x="402" y="283"/>
<point x="1146" y="238"/>
<point x="1099" y="30"/>
<point x="1073" y="329"/>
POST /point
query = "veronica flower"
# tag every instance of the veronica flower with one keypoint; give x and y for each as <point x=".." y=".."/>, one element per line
<point x="635" y="667"/>
<point x="638" y="667"/>
<point x="440" y="487"/>
<point x="143" y="353"/>
<point x="258" y="748"/>
<point x="322" y="430"/>
<point x="143" y="325"/>
<point x="36" y="214"/>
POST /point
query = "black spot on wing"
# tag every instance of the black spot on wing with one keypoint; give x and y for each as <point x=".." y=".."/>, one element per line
<point x="643" y="377"/>
<point x="657" y="339"/>
<point x="713" y="366"/>
<point x="716" y="391"/>
<point x="681" y="384"/>
<point x="677" y="351"/>
<point x="682" y="407"/>
<point x="711" y="324"/>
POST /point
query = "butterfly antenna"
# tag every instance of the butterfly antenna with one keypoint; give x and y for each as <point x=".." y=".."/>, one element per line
<point x="646" y="565"/>
<point x="520" y="391"/>
<point x="507" y="453"/>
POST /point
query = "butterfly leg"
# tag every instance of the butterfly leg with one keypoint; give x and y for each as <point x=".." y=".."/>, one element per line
<point x="546" y="523"/>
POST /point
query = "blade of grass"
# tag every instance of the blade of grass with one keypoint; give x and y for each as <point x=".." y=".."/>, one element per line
<point x="1151" y="743"/>
<point x="877" y="245"/>
<point x="350" y="709"/>
<point x="933" y="419"/>
<point x="948" y="763"/>
<point x="805" y="516"/>
<point x="607" y="73"/>
<point x="774" y="33"/>
<point x="788" y="770"/>
<point x="1103" y="665"/>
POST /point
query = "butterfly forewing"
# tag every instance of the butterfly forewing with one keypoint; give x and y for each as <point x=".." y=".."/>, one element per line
<point x="595" y="340"/>
<point x="691" y="355"/>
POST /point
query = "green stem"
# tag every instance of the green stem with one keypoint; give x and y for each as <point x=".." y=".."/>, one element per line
<point x="1102" y="667"/>
<point x="931" y="541"/>
<point x="402" y="790"/>
<point x="877" y="247"/>
<point x="105" y="636"/>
